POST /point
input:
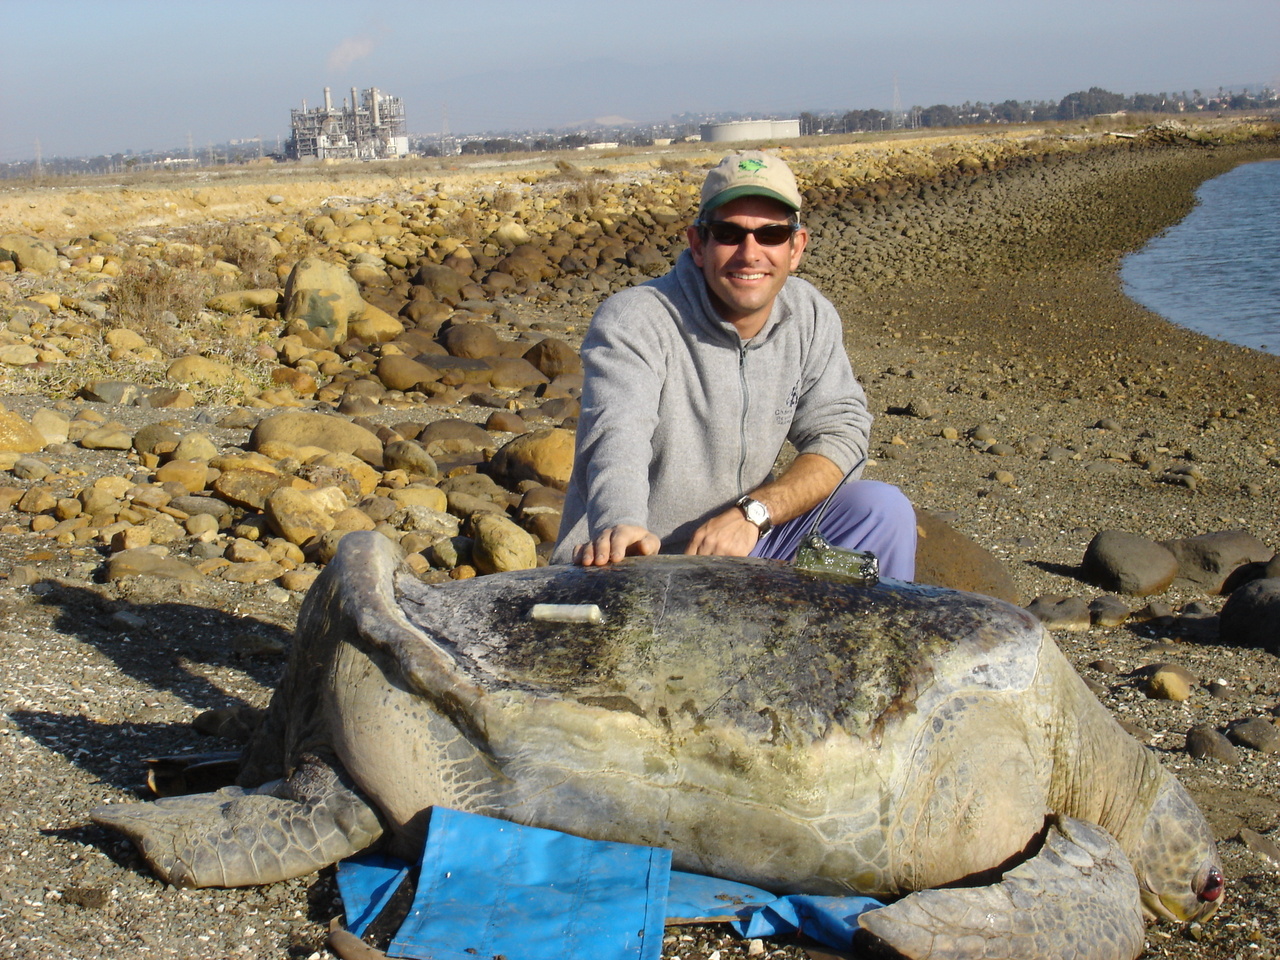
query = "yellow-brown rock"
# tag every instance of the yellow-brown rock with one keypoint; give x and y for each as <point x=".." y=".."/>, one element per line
<point x="16" y="435"/>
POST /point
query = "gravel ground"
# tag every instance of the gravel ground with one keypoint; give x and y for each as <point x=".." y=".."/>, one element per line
<point x="1021" y="327"/>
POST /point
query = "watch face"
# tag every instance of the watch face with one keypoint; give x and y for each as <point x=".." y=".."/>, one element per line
<point x="756" y="512"/>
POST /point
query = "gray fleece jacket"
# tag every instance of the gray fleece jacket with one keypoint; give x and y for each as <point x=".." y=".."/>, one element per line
<point x="680" y="416"/>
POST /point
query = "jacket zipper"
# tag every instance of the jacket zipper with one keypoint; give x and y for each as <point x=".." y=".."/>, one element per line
<point x="742" y="420"/>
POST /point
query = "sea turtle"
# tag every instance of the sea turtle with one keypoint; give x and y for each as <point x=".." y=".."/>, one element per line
<point x="767" y="725"/>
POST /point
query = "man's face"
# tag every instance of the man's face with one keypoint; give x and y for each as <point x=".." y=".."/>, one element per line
<point x="744" y="279"/>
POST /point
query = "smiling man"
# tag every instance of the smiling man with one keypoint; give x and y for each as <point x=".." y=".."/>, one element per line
<point x="693" y="382"/>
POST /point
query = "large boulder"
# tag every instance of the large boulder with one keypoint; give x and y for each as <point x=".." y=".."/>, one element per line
<point x="1251" y="616"/>
<point x="29" y="253"/>
<point x="1209" y="559"/>
<point x="320" y="299"/>
<point x="947" y="558"/>
<point x="1128" y="563"/>
<point x="544" y="455"/>
<point x="304" y="429"/>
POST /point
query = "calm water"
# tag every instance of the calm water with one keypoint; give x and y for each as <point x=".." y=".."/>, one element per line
<point x="1218" y="271"/>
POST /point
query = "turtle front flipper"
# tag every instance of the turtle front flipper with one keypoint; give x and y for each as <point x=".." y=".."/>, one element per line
<point x="1077" y="898"/>
<point x="237" y="838"/>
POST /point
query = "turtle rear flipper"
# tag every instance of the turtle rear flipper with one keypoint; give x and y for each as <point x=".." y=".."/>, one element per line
<point x="235" y="837"/>
<point x="1077" y="898"/>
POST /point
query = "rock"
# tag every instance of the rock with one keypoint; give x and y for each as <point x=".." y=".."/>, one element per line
<point x="500" y="545"/>
<point x="444" y="282"/>
<point x="1061" y="613"/>
<point x="554" y="358"/>
<point x="433" y="498"/>
<point x="1204" y="742"/>
<point x="242" y="301"/>
<point x="255" y="571"/>
<point x="506" y="421"/>
<point x="29" y="468"/>
<point x="1251" y="616"/>
<point x="1108" y="611"/>
<point x="373" y="325"/>
<point x="246" y="488"/>
<point x="191" y="474"/>
<point x="107" y="438"/>
<point x="472" y="340"/>
<point x="453" y="435"/>
<point x="29" y="253"/>
<point x="947" y="558"/>
<point x="194" y="446"/>
<point x="200" y="370"/>
<point x="1262" y="846"/>
<point x="1209" y="559"/>
<point x="18" y="354"/>
<point x="52" y="425"/>
<point x="16" y="435"/>
<point x="1256" y="733"/>
<point x="647" y="258"/>
<point x="543" y="455"/>
<point x="1165" y="681"/>
<point x="404" y="373"/>
<point x="514" y="373"/>
<point x="410" y="457"/>
<point x="1129" y="564"/>
<point x="145" y="562"/>
<point x="320" y="299"/>
<point x="298" y="515"/>
<point x="117" y="392"/>
<point x="436" y="524"/>
<point x="306" y="429"/>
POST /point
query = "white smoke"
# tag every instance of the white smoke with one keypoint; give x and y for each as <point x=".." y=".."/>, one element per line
<point x="348" y="52"/>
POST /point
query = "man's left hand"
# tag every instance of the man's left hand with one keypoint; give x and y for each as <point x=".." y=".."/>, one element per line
<point x="727" y="534"/>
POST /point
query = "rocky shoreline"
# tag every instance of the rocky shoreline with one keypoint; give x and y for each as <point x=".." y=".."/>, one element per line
<point x="155" y="553"/>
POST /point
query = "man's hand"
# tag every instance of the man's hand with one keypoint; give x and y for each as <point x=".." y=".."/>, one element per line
<point x="728" y="534"/>
<point x="613" y="544"/>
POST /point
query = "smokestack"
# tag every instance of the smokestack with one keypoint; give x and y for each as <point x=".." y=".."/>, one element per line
<point x="328" y="103"/>
<point x="354" y="102"/>
<point x="373" y="99"/>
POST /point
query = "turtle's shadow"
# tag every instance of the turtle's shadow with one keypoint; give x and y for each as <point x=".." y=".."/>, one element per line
<point x="167" y="637"/>
<point x="112" y="752"/>
<point x="157" y="650"/>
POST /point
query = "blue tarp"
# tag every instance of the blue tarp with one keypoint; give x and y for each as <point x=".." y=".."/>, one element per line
<point x="488" y="887"/>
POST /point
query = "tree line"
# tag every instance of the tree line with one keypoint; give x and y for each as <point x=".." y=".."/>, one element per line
<point x="1074" y="106"/>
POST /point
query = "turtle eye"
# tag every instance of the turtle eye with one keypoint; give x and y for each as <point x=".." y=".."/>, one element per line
<point x="1213" y="885"/>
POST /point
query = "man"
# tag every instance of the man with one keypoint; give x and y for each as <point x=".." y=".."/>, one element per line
<point x="693" y="381"/>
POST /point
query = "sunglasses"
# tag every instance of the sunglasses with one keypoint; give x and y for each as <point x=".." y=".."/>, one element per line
<point x="731" y="235"/>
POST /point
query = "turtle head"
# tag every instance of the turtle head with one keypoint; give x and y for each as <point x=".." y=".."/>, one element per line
<point x="1179" y="872"/>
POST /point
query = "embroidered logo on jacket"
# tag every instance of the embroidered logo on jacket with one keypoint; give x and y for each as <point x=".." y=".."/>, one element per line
<point x="785" y="413"/>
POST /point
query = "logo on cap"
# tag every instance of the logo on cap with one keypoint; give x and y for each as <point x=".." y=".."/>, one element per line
<point x="751" y="165"/>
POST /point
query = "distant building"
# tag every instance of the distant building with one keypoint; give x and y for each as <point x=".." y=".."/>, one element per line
<point x="750" y="130"/>
<point x="370" y="128"/>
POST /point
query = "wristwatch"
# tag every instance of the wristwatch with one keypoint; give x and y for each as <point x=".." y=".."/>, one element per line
<point x="755" y="512"/>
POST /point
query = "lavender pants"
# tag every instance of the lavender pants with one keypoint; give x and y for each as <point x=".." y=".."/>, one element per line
<point x="863" y="515"/>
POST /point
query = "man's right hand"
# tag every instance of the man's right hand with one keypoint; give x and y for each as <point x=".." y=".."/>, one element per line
<point x="613" y="544"/>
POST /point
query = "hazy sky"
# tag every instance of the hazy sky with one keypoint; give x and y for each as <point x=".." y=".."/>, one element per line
<point x="114" y="75"/>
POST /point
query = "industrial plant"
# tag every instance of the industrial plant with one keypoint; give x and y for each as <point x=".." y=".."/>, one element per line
<point x="370" y="127"/>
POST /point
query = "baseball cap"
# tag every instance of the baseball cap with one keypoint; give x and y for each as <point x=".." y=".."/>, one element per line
<point x="752" y="173"/>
